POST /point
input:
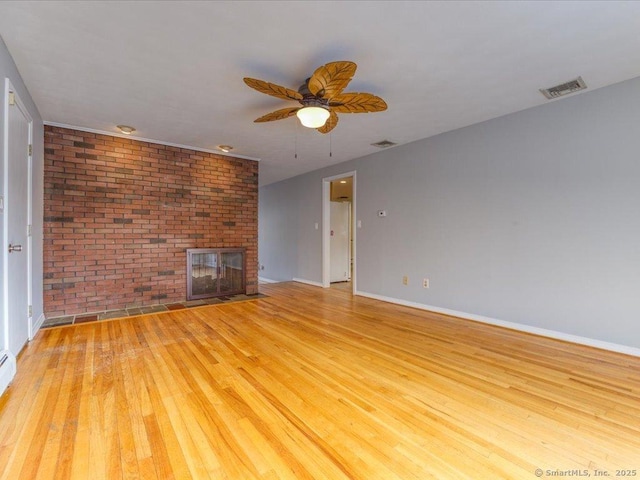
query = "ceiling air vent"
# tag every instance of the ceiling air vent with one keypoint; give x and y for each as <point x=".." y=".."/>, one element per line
<point x="384" y="144"/>
<point x="564" y="88"/>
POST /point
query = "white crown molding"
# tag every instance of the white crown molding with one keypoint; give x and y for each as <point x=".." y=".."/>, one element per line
<point x="149" y="140"/>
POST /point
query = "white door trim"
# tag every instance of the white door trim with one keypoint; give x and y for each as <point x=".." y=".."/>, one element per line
<point x="5" y="234"/>
<point x="326" y="228"/>
<point x="33" y="325"/>
<point x="10" y="90"/>
<point x="7" y="359"/>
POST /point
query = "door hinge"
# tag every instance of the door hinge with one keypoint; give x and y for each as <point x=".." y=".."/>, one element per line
<point x="30" y="150"/>
<point x="12" y="98"/>
<point x="28" y="230"/>
<point x="30" y="310"/>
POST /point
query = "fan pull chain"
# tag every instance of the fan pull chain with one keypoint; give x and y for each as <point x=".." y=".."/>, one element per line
<point x="330" y="146"/>
<point x="295" y="155"/>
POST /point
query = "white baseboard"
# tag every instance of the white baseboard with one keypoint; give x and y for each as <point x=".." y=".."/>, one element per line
<point x="308" y="282"/>
<point x="35" y="326"/>
<point x="267" y="280"/>
<point x="567" y="337"/>
<point x="7" y="369"/>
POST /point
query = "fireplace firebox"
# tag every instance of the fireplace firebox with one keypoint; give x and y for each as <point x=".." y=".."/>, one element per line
<point x="215" y="272"/>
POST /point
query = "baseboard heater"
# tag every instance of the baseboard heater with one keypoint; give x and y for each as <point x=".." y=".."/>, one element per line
<point x="7" y="369"/>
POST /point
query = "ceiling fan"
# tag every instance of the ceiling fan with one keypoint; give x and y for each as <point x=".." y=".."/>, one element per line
<point x="320" y="97"/>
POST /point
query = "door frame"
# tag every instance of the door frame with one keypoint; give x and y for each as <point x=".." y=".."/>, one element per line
<point x="8" y="90"/>
<point x="326" y="229"/>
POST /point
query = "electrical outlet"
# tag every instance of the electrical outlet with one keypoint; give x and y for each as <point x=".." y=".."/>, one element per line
<point x="425" y="283"/>
<point x="405" y="280"/>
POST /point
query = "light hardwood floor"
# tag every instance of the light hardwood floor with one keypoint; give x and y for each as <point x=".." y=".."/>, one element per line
<point x="314" y="383"/>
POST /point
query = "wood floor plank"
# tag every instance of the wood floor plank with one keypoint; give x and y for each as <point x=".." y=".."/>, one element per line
<point x="311" y="383"/>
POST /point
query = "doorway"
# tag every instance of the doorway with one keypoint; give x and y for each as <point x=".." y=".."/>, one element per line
<point x="340" y="242"/>
<point x="17" y="221"/>
<point x="338" y="230"/>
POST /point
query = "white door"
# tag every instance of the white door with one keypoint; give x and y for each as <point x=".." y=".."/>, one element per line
<point x="17" y="219"/>
<point x="340" y="242"/>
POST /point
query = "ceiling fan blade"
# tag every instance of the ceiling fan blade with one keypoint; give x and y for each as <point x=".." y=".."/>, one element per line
<point x="357" y="103"/>
<point x="278" y="115"/>
<point x="272" y="89"/>
<point x="330" y="124"/>
<point x="330" y="79"/>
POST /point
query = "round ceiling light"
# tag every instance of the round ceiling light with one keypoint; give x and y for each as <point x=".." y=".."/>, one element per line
<point x="225" y="148"/>
<point x="126" y="129"/>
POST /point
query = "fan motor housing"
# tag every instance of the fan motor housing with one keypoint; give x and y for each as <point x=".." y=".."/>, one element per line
<point x="309" y="99"/>
<point x="313" y="101"/>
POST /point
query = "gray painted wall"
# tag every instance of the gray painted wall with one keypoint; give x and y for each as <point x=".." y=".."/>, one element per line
<point x="277" y="230"/>
<point x="8" y="70"/>
<point x="531" y="218"/>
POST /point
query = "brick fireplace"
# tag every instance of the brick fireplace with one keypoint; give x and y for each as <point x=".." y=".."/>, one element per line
<point x="120" y="215"/>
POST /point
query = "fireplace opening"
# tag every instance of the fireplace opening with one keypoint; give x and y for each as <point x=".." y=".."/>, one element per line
<point x="215" y="272"/>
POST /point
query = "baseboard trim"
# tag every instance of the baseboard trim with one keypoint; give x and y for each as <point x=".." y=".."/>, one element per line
<point x="267" y="280"/>
<point x="543" y="332"/>
<point x="35" y="326"/>
<point x="308" y="282"/>
<point x="7" y="369"/>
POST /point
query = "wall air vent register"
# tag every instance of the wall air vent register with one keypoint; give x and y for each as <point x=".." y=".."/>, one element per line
<point x="566" y="88"/>
<point x="384" y="144"/>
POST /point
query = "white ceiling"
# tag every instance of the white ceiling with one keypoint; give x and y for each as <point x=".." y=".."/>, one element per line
<point x="174" y="70"/>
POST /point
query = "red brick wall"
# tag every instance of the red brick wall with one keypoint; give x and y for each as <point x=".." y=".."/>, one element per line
<point x="119" y="215"/>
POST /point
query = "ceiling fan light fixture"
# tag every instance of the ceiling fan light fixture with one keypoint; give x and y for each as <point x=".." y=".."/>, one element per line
<point x="321" y="97"/>
<point x="313" y="117"/>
